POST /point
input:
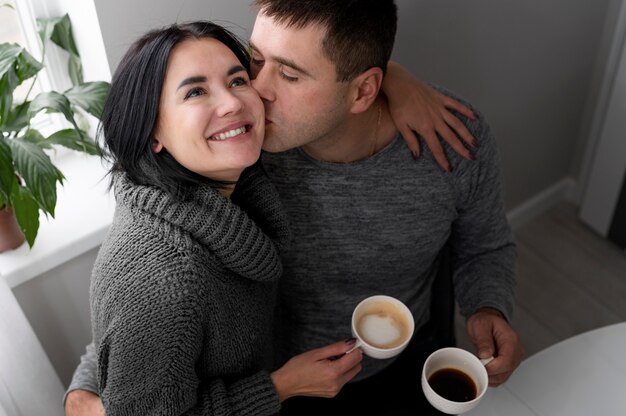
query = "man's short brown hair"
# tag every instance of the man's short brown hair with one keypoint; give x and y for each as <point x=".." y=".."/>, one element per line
<point x="359" y="33"/>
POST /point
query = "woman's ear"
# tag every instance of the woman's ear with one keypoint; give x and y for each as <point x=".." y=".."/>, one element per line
<point x="366" y="87"/>
<point x="157" y="146"/>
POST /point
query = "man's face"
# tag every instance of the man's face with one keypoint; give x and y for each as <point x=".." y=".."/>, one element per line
<point x="304" y="103"/>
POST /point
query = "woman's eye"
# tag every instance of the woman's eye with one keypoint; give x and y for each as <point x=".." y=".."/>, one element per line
<point x="238" y="82"/>
<point x="194" y="92"/>
<point x="256" y="61"/>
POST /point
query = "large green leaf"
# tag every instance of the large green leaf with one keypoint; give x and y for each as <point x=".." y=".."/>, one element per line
<point x="59" y="31"/>
<point x="26" y="212"/>
<point x="62" y="35"/>
<point x="16" y="66"/>
<point x="53" y="102"/>
<point x="82" y="121"/>
<point x="27" y="66"/>
<point x="45" y="27"/>
<point x="75" y="70"/>
<point x="33" y="136"/>
<point x="8" y="55"/>
<point x="7" y="174"/>
<point x="89" y="96"/>
<point x="16" y="59"/>
<point x="39" y="174"/>
<point x="16" y="119"/>
<point x="7" y="83"/>
<point x="70" y="138"/>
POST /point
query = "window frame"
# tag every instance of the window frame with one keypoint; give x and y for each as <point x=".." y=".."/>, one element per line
<point x="53" y="76"/>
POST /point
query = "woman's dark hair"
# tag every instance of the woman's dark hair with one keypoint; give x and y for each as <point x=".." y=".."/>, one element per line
<point x="131" y="109"/>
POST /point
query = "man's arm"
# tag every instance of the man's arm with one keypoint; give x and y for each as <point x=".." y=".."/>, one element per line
<point x="81" y="398"/>
<point x="483" y="249"/>
<point x="484" y="257"/>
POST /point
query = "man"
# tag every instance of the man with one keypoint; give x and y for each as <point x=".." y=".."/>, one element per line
<point x="367" y="219"/>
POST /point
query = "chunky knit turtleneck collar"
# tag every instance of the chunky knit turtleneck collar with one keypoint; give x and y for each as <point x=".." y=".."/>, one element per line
<point x="220" y="224"/>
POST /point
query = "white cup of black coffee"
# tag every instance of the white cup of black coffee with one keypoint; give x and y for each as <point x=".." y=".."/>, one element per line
<point x="382" y="325"/>
<point x="454" y="380"/>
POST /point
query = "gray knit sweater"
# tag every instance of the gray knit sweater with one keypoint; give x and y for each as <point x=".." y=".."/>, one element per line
<point x="376" y="226"/>
<point x="182" y="301"/>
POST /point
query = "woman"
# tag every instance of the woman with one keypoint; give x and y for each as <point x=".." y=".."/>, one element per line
<point x="183" y="289"/>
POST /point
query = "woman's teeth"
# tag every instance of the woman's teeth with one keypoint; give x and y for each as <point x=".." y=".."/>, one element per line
<point x="228" y="134"/>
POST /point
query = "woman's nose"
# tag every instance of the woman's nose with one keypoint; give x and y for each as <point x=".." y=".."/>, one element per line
<point x="229" y="104"/>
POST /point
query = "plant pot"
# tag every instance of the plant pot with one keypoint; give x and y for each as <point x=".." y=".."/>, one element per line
<point x="11" y="236"/>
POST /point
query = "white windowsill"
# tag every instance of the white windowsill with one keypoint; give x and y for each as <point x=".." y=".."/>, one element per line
<point x="83" y="215"/>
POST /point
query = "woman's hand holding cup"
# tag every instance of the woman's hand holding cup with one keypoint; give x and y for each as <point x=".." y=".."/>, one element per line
<point x="382" y="327"/>
<point x="321" y="372"/>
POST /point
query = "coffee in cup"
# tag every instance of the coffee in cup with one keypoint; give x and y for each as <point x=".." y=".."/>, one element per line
<point x="454" y="380"/>
<point x="382" y="325"/>
<point x="453" y="384"/>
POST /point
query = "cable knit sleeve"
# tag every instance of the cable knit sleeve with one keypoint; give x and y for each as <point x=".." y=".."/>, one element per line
<point x="149" y="352"/>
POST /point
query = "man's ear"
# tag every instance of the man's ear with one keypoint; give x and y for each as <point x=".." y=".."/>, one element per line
<point x="365" y="88"/>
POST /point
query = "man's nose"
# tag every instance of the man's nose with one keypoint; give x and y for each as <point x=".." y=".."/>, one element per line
<point x="263" y="85"/>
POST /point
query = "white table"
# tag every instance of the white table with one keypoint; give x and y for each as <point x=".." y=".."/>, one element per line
<point x="582" y="376"/>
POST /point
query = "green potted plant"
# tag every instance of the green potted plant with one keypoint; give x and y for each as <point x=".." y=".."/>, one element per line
<point x="28" y="178"/>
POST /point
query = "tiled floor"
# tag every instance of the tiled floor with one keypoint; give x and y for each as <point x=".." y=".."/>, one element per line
<point x="570" y="280"/>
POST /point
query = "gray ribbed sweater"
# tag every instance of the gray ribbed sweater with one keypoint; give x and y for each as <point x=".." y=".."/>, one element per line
<point x="182" y="301"/>
<point x="376" y="226"/>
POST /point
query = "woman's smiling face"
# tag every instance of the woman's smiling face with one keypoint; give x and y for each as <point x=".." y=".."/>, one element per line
<point x="210" y="119"/>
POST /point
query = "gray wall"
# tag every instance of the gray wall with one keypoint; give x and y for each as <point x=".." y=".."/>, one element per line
<point x="528" y="65"/>
<point x="57" y="306"/>
<point x="119" y="29"/>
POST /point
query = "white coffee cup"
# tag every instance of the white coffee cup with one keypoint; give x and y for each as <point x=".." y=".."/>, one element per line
<point x="454" y="359"/>
<point x="382" y="325"/>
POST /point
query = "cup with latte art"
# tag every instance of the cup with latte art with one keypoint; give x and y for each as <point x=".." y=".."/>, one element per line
<point x="382" y="325"/>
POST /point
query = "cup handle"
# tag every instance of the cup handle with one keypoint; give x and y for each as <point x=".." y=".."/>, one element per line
<point x="356" y="345"/>
<point x="486" y="361"/>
